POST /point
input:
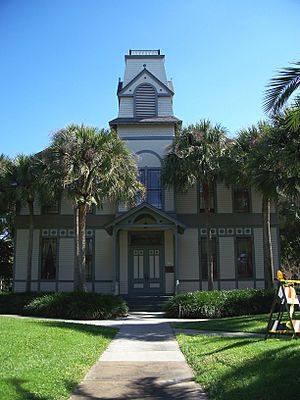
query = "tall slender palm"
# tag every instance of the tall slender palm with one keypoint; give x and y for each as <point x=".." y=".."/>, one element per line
<point x="195" y="158"/>
<point x="92" y="166"/>
<point x="23" y="185"/>
<point x="280" y="89"/>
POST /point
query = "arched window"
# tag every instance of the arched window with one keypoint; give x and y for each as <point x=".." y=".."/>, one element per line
<point x="145" y="100"/>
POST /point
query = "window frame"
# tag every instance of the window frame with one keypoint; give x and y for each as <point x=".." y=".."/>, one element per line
<point x="235" y="191"/>
<point x="145" y="171"/>
<point x="91" y="277"/>
<point x="215" y="258"/>
<point x="42" y="259"/>
<point x="213" y="198"/>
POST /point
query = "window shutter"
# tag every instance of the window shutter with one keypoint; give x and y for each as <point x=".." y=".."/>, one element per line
<point x="145" y="101"/>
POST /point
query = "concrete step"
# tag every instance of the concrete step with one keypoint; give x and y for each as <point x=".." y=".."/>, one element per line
<point x="147" y="303"/>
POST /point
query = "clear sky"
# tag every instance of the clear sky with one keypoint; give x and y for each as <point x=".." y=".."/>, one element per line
<point x="60" y="60"/>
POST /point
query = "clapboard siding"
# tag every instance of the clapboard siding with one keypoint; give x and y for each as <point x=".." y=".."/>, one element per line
<point x="66" y="258"/>
<point x="103" y="255"/>
<point x="123" y="262"/>
<point x="103" y="287"/>
<point x="126" y="107"/>
<point x="227" y="259"/>
<point x="65" y="286"/>
<point x="147" y="131"/>
<point x="188" y="287"/>
<point x="165" y="107"/>
<point x="275" y="247"/>
<point x="22" y="236"/>
<point x="135" y="65"/>
<point x="19" y="287"/>
<point x="107" y="209"/>
<point x="228" y="285"/>
<point x="66" y="207"/>
<point x="24" y="210"/>
<point x="48" y="287"/>
<point x="186" y="203"/>
<point x="169" y="199"/>
<point x="256" y="200"/>
<point x="224" y="198"/>
<point x="259" y="252"/>
<point x="188" y="260"/>
<point x="35" y="254"/>
<point x="245" y="285"/>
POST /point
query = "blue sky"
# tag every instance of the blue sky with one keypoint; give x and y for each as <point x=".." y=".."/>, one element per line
<point x="60" y="60"/>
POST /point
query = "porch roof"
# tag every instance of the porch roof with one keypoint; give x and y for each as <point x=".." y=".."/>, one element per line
<point x="162" y="219"/>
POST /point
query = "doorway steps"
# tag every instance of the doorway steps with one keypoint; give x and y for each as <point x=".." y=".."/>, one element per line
<point x="146" y="303"/>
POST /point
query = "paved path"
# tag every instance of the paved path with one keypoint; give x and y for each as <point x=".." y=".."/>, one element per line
<point x="142" y="362"/>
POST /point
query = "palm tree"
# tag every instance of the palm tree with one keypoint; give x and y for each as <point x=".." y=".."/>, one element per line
<point x="91" y="166"/>
<point x="194" y="158"/>
<point x="22" y="186"/>
<point x="279" y="91"/>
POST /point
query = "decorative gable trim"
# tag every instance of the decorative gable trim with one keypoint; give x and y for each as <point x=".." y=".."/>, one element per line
<point x="123" y="91"/>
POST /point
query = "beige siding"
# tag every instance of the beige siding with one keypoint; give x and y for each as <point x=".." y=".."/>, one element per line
<point x="227" y="264"/>
<point x="169" y="282"/>
<point x="260" y="285"/>
<point x="107" y="209"/>
<point x="103" y="255"/>
<point x="34" y="286"/>
<point x="259" y="252"/>
<point x="65" y="287"/>
<point x="275" y="246"/>
<point x="35" y="254"/>
<point x="19" y="287"/>
<point x="224" y="198"/>
<point x="66" y="207"/>
<point x="186" y="203"/>
<point x="256" y="201"/>
<point x="123" y="262"/>
<point x="24" y="210"/>
<point x="165" y="106"/>
<point x="169" y="261"/>
<point x="66" y="259"/>
<point x="126" y="107"/>
<point x="169" y="199"/>
<point x="188" y="262"/>
<point x="135" y="65"/>
<point x="21" y="253"/>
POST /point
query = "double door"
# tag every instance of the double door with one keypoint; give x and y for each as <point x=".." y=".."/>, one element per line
<point x="146" y="275"/>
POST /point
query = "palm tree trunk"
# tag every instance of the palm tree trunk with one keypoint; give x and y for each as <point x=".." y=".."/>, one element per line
<point x="210" y="267"/>
<point x="76" y="261"/>
<point x="82" y="227"/>
<point x="30" y="246"/>
<point x="267" y="242"/>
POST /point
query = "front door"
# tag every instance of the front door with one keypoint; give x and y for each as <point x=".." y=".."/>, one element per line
<point x="146" y="267"/>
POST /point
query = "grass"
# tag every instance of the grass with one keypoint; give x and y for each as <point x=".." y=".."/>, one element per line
<point x="248" y="368"/>
<point x="44" y="360"/>
<point x="246" y="323"/>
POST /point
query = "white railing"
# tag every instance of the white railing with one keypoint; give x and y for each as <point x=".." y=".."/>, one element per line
<point x="144" y="52"/>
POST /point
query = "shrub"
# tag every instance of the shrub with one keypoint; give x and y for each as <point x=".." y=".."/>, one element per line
<point x="72" y="305"/>
<point x="217" y="304"/>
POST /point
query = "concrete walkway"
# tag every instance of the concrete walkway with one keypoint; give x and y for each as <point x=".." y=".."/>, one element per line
<point x="142" y="362"/>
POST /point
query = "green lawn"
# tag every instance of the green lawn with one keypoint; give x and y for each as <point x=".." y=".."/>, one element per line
<point x="44" y="360"/>
<point x="247" y="323"/>
<point x="244" y="368"/>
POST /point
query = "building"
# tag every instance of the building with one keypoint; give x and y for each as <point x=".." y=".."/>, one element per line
<point x="157" y="247"/>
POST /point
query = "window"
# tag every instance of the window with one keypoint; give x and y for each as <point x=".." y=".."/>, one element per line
<point x="88" y="258"/>
<point x="49" y="258"/>
<point x="51" y="208"/>
<point x="241" y="200"/>
<point x="244" y="257"/>
<point x="203" y="255"/>
<point x="211" y="199"/>
<point x="151" y="179"/>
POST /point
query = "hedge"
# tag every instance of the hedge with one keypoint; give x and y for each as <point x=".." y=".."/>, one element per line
<point x="73" y="305"/>
<point x="218" y="304"/>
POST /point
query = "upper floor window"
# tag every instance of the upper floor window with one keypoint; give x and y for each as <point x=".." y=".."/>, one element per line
<point x="49" y="258"/>
<point x="244" y="257"/>
<point x="145" y="101"/>
<point x="211" y="199"/>
<point x="241" y="200"/>
<point x="151" y="179"/>
<point x="51" y="208"/>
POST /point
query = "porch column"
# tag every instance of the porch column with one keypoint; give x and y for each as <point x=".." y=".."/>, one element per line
<point x="176" y="280"/>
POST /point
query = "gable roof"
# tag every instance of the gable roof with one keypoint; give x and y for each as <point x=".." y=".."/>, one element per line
<point x="144" y="207"/>
<point x="121" y="89"/>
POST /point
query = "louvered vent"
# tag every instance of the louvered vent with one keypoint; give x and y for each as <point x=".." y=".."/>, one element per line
<point x="145" y="101"/>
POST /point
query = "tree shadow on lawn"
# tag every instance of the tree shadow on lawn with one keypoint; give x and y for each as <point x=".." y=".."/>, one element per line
<point x="25" y="394"/>
<point x="273" y="374"/>
<point x="94" y="330"/>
